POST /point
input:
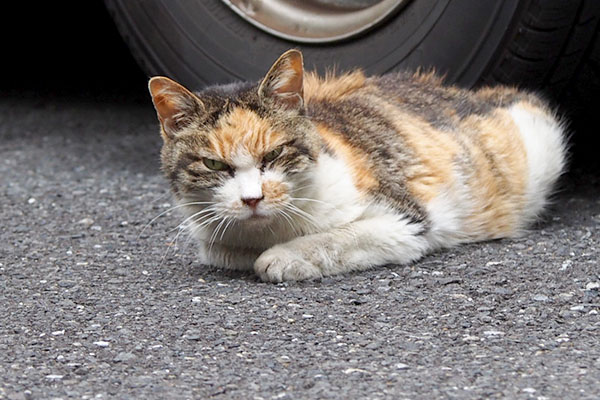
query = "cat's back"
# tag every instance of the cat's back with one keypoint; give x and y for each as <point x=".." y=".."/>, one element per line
<point x="422" y="96"/>
<point x="478" y="162"/>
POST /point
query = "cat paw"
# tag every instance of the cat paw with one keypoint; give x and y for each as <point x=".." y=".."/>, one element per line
<point x="279" y="264"/>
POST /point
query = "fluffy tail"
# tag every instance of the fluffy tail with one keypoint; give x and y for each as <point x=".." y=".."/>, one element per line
<point x="545" y="142"/>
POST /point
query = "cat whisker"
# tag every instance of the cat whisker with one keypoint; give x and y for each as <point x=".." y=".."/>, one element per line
<point x="161" y="197"/>
<point x="196" y="203"/>
<point x="289" y="220"/>
<point x="173" y="245"/>
<point x="295" y="207"/>
<point x="213" y="236"/>
<point x="310" y="224"/>
<point x="209" y="211"/>
<point x="195" y="226"/>
<point x="226" y="226"/>
<point x="190" y="236"/>
<point x="298" y="188"/>
<point x="306" y="184"/>
<point x="313" y="200"/>
<point x="303" y="214"/>
<point x="171" y="209"/>
<point x="331" y="207"/>
<point x="271" y="230"/>
<point x="197" y="221"/>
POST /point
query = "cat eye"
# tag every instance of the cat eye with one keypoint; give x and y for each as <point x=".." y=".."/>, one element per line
<point x="273" y="154"/>
<point x="215" y="165"/>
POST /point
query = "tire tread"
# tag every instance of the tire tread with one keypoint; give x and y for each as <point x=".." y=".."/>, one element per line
<point x="548" y="45"/>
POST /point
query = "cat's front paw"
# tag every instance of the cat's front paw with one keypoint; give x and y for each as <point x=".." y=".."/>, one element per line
<point x="279" y="264"/>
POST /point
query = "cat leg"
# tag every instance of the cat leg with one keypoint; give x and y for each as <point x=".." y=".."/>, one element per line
<point x="387" y="239"/>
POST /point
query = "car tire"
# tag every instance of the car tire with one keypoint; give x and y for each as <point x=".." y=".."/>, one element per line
<point x="537" y="43"/>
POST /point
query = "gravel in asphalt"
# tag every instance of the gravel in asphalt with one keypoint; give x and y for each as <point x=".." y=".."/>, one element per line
<point x="92" y="305"/>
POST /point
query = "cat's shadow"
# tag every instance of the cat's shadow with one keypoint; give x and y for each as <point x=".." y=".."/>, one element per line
<point x="199" y="271"/>
<point x="215" y="274"/>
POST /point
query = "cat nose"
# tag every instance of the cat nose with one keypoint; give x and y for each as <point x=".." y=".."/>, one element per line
<point x="252" y="201"/>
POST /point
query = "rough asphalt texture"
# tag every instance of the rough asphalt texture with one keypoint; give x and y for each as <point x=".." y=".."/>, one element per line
<point x="93" y="306"/>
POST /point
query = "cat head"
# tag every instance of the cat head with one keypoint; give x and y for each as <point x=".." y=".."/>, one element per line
<point x="244" y="149"/>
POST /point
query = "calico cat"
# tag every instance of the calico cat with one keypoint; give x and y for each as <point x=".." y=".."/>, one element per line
<point x="301" y="177"/>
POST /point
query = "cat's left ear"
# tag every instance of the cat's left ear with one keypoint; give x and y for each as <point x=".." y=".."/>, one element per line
<point x="283" y="84"/>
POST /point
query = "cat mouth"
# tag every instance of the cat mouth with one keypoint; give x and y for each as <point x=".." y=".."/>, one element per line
<point x="255" y="216"/>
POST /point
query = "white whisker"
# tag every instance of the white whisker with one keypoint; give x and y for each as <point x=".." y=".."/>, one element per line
<point x="271" y="229"/>
<point x="208" y="210"/>
<point x="197" y="226"/>
<point x="313" y="200"/>
<point x="310" y="185"/>
<point x="303" y="215"/>
<point x="174" y="244"/>
<point x="226" y="226"/>
<point x="289" y="220"/>
<point x="213" y="237"/>
<point x="171" y="209"/>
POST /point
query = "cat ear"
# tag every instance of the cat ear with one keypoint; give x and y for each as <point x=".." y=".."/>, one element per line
<point x="283" y="84"/>
<point x="176" y="106"/>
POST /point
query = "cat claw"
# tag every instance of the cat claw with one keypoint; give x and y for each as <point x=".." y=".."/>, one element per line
<point x="279" y="264"/>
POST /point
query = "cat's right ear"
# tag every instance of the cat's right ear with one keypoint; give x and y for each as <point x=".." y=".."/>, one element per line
<point x="176" y="106"/>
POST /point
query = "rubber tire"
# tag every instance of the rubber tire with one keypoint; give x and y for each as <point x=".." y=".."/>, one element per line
<point x="536" y="43"/>
<point x="579" y="102"/>
<point x="549" y="45"/>
<point x="200" y="43"/>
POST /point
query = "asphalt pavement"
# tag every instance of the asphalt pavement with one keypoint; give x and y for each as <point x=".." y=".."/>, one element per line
<point x="92" y="305"/>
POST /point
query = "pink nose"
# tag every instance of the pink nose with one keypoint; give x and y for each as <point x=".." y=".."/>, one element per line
<point x="252" y="202"/>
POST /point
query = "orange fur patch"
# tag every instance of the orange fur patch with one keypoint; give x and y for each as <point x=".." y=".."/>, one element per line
<point x="436" y="152"/>
<point x="244" y="128"/>
<point x="357" y="160"/>
<point x="332" y="87"/>
<point x="499" y="176"/>
<point x="273" y="190"/>
<point x="432" y="170"/>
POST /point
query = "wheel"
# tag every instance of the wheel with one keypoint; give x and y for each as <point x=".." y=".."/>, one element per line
<point x="536" y="42"/>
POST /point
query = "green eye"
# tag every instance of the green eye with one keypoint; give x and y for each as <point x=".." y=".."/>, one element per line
<point x="273" y="154"/>
<point x="215" y="165"/>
